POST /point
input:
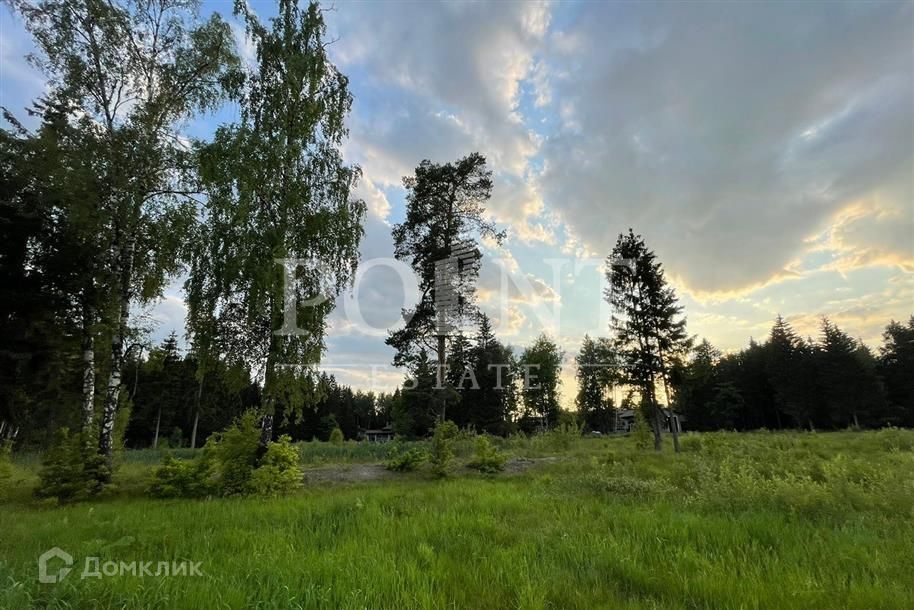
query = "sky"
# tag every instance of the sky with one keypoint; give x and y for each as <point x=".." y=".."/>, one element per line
<point x="765" y="151"/>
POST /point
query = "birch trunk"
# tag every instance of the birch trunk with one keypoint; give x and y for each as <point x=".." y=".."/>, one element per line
<point x="193" y="432"/>
<point x="112" y="394"/>
<point x="88" y="350"/>
<point x="155" y="440"/>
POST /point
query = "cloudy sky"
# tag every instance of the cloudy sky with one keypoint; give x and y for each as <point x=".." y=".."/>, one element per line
<point x="764" y="150"/>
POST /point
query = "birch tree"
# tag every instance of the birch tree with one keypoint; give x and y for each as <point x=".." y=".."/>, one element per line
<point x="128" y="75"/>
<point x="281" y="231"/>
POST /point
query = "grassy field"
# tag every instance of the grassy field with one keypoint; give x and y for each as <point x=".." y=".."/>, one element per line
<point x="764" y="520"/>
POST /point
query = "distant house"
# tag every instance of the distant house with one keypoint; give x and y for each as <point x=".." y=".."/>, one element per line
<point x="625" y="420"/>
<point x="382" y="435"/>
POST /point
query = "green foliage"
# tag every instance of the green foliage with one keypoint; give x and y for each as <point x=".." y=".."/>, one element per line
<point x="6" y="471"/>
<point x="177" y="478"/>
<point x="649" y="329"/>
<point x="434" y="224"/>
<point x="336" y="436"/>
<point x="487" y="458"/>
<point x="641" y="432"/>
<point x="441" y="448"/>
<point x="541" y="366"/>
<point x="402" y="459"/>
<point x="235" y="454"/>
<point x="741" y="521"/>
<point x="596" y="373"/>
<point x="71" y="470"/>
<point x="278" y="189"/>
<point x="559" y="438"/>
<point x="279" y="472"/>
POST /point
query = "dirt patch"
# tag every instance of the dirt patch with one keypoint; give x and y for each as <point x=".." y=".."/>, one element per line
<point x="347" y="473"/>
<point x="519" y="465"/>
<point x="358" y="473"/>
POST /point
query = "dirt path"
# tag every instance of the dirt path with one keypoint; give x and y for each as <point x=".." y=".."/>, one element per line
<point x="357" y="473"/>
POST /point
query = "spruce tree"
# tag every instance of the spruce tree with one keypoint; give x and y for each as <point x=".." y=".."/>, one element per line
<point x="649" y="334"/>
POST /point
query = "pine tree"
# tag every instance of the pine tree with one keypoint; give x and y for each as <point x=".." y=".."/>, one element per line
<point x="896" y="366"/>
<point x="596" y="374"/>
<point x="490" y="405"/>
<point x="696" y="387"/>
<point x="851" y="390"/>
<point x="444" y="212"/>
<point x="541" y="365"/>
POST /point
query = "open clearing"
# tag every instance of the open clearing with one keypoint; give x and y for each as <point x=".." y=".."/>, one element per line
<point x="764" y="520"/>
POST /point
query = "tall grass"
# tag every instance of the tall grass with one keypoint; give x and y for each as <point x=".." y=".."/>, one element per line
<point x="736" y="521"/>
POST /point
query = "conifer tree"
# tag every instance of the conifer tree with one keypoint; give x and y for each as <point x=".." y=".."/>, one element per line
<point x="648" y="330"/>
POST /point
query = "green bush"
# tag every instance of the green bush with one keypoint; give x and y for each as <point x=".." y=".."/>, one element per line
<point x="895" y="439"/>
<point x="487" y="458"/>
<point x="441" y="448"/>
<point x="72" y="469"/>
<point x="183" y="478"/>
<point x="243" y="467"/>
<point x="336" y="437"/>
<point x="400" y="459"/>
<point x="235" y="454"/>
<point x="642" y="433"/>
<point x="279" y="472"/>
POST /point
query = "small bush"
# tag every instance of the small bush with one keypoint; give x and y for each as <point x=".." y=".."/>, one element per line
<point x="441" y="448"/>
<point x="642" y="433"/>
<point x="336" y="437"/>
<point x="487" y="458"/>
<point x="278" y="472"/>
<point x="235" y="454"/>
<point x="183" y="478"/>
<point x="404" y="460"/>
<point x="72" y="469"/>
<point x="894" y="439"/>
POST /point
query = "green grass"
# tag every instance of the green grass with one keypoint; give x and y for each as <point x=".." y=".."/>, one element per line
<point x="735" y="521"/>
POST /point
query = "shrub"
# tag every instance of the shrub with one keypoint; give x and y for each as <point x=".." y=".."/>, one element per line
<point x="487" y="458"/>
<point x="641" y="432"/>
<point x="72" y="469"/>
<point x="404" y="460"/>
<point x="235" y="454"/>
<point x="894" y="439"/>
<point x="336" y="436"/>
<point x="441" y="448"/>
<point x="244" y="467"/>
<point x="278" y="472"/>
<point x="183" y="478"/>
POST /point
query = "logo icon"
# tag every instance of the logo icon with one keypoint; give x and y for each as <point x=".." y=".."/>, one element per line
<point x="46" y="557"/>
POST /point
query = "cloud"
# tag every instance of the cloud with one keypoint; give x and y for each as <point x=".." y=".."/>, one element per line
<point x="438" y="81"/>
<point x="727" y="135"/>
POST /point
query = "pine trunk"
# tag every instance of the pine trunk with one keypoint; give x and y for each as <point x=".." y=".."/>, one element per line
<point x="658" y="439"/>
<point x="442" y="357"/>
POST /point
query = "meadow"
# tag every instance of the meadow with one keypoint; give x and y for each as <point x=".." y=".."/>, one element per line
<point x="760" y="520"/>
